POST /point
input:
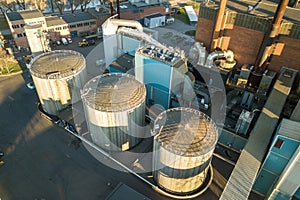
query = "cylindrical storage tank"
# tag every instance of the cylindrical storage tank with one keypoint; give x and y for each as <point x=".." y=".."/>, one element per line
<point x="182" y="149"/>
<point x="58" y="77"/>
<point x="36" y="38"/>
<point x="114" y="107"/>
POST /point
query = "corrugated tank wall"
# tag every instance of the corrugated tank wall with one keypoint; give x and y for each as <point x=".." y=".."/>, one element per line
<point x="182" y="150"/>
<point x="116" y="131"/>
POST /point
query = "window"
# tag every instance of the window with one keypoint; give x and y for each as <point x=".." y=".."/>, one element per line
<point x="86" y="24"/>
<point x="22" y="25"/>
<point x="73" y="26"/>
<point x="278" y="143"/>
<point x="79" y="25"/>
<point x="92" y="23"/>
<point x="15" y="26"/>
<point x="19" y="35"/>
<point x="58" y="28"/>
<point x="65" y="27"/>
<point x="24" y="34"/>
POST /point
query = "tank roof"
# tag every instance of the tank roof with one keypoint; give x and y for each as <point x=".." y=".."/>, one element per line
<point x="57" y="64"/>
<point x="114" y="92"/>
<point x="185" y="131"/>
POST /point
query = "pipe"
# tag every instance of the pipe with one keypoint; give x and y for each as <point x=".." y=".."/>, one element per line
<point x="217" y="54"/>
<point x="127" y="23"/>
<point x="111" y="25"/>
<point x="201" y="52"/>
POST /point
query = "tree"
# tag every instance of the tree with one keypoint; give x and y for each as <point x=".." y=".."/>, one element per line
<point x="74" y="5"/>
<point x="83" y="4"/>
<point x="60" y="4"/>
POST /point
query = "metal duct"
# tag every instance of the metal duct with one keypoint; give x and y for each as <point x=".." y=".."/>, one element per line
<point x="212" y="56"/>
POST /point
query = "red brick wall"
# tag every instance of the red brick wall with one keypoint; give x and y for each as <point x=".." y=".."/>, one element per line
<point x="204" y="31"/>
<point x="147" y="11"/>
<point x="289" y="57"/>
<point x="245" y="44"/>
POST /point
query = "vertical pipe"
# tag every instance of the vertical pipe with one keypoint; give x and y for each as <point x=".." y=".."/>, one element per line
<point x="218" y="25"/>
<point x="118" y="9"/>
<point x="269" y="39"/>
<point x="111" y="4"/>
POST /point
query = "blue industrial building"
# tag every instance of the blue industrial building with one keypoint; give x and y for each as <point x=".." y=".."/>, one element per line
<point x="279" y="176"/>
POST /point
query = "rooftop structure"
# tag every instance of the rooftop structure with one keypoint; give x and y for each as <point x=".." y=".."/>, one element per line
<point x="24" y="14"/>
<point x="77" y="17"/>
<point x="54" y="21"/>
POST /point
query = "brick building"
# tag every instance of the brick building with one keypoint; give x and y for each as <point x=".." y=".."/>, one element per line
<point x="80" y="24"/>
<point x="137" y="10"/>
<point x="17" y="21"/>
<point x="243" y="32"/>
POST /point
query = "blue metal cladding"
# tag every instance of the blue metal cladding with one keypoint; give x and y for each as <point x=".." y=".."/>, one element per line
<point x="288" y="147"/>
<point x="156" y="76"/>
<point x="114" y="70"/>
<point x="279" y="196"/>
<point x="274" y="164"/>
<point x="297" y="193"/>
<point x="264" y="181"/>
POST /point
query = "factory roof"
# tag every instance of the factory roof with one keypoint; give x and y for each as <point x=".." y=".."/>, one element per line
<point x="124" y="62"/>
<point x="247" y="167"/>
<point x="186" y="132"/>
<point x="57" y="64"/>
<point x="24" y="14"/>
<point x="114" y="92"/>
<point x="99" y="12"/>
<point x="154" y="15"/>
<point x="264" y="8"/>
<point x="54" y="21"/>
<point x="290" y="129"/>
<point x="77" y="17"/>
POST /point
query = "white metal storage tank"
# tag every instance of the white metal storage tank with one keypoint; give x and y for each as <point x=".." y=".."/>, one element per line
<point x="58" y="77"/>
<point x="115" y="110"/>
<point x="183" y="145"/>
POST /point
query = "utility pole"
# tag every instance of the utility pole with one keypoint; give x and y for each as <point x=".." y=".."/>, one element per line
<point x="267" y="45"/>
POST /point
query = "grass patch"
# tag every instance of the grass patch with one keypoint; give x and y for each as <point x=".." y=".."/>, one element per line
<point x="11" y="66"/>
<point x="191" y="33"/>
<point x="3" y="24"/>
<point x="181" y="15"/>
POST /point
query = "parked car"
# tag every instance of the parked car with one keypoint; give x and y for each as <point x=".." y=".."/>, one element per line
<point x="64" y="41"/>
<point x="58" y="42"/>
<point x="69" y="40"/>
<point x="31" y="85"/>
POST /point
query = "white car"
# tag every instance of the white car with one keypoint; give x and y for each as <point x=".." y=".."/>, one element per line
<point x="64" y="41"/>
<point x="69" y="40"/>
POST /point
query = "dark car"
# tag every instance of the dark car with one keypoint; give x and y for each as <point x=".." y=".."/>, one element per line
<point x="91" y="42"/>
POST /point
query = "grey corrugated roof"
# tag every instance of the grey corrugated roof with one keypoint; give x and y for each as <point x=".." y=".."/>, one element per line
<point x="54" y="21"/>
<point x="154" y="15"/>
<point x="102" y="11"/>
<point x="14" y="16"/>
<point x="77" y="17"/>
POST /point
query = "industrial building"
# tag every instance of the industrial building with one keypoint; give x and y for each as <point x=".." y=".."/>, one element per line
<point x="114" y="106"/>
<point x="247" y="32"/>
<point x="58" y="76"/>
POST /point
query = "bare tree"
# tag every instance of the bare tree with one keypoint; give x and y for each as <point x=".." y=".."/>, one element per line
<point x="60" y="4"/>
<point x="83" y="4"/>
<point x="74" y="5"/>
